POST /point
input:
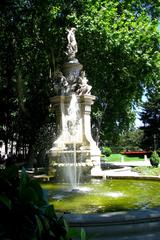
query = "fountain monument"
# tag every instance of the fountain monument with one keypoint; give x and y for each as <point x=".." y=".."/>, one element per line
<point x="74" y="147"/>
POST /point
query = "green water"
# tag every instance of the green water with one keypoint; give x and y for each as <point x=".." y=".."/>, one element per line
<point x="105" y="196"/>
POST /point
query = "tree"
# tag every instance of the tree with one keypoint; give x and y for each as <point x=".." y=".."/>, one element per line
<point x="119" y="48"/>
<point x="150" y="116"/>
<point x="24" y="70"/>
<point x="130" y="139"/>
<point x="118" y="45"/>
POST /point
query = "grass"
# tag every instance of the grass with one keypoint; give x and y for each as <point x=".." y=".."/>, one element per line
<point x="151" y="171"/>
<point x="120" y="158"/>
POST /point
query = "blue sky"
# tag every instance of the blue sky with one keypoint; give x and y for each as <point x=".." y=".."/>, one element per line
<point x="138" y="123"/>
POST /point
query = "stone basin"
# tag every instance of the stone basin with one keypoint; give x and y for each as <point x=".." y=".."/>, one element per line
<point x="132" y="224"/>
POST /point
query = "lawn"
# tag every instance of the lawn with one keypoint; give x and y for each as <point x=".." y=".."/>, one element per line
<point x="145" y="170"/>
<point x="120" y="158"/>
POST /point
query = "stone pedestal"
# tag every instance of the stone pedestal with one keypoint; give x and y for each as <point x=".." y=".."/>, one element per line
<point x="83" y="138"/>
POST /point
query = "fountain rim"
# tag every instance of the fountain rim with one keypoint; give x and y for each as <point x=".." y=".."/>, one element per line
<point x="132" y="224"/>
<point x="110" y="218"/>
<point x="147" y="177"/>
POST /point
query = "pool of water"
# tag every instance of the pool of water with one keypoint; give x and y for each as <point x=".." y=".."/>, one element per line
<point x="101" y="196"/>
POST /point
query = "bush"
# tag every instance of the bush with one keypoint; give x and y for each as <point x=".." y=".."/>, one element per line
<point x="158" y="151"/>
<point x="25" y="212"/>
<point x="106" y="151"/>
<point x="154" y="159"/>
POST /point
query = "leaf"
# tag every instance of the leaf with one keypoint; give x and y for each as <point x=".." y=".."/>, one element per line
<point x="50" y="212"/>
<point x="24" y="178"/>
<point x="73" y="233"/>
<point x="39" y="225"/>
<point x="66" y="225"/>
<point x="37" y="188"/>
<point x="6" y="201"/>
<point x="29" y="195"/>
<point x="83" y="234"/>
<point x="11" y="172"/>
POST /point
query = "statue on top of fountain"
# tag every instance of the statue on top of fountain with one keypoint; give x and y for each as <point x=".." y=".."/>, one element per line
<point x="72" y="47"/>
<point x="67" y="86"/>
<point x="72" y="78"/>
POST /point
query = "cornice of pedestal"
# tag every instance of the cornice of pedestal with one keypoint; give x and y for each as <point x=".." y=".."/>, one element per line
<point x="88" y="99"/>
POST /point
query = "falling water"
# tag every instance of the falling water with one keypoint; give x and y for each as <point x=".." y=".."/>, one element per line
<point x="73" y="168"/>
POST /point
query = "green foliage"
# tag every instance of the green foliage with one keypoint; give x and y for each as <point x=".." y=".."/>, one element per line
<point x="25" y="212"/>
<point x="158" y="151"/>
<point x="24" y="70"/>
<point x="154" y="159"/>
<point x="150" y="116"/>
<point x="118" y="45"/>
<point x="106" y="151"/>
<point x="44" y="140"/>
<point x="121" y="44"/>
<point x="131" y="139"/>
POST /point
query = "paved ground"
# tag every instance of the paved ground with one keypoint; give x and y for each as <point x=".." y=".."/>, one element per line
<point x="125" y="170"/>
<point x="132" y="163"/>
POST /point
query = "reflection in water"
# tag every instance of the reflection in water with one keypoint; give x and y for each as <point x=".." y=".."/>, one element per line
<point x="113" y="194"/>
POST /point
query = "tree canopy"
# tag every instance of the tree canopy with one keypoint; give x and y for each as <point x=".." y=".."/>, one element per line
<point x="150" y="116"/>
<point x="24" y="69"/>
<point x="118" y="44"/>
<point x="119" y="48"/>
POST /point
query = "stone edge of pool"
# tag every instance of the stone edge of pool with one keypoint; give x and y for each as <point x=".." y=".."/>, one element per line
<point x="134" y="224"/>
<point x="124" y="225"/>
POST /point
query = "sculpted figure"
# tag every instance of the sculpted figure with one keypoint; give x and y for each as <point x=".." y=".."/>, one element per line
<point x="83" y="87"/>
<point x="72" y="48"/>
<point x="61" y="83"/>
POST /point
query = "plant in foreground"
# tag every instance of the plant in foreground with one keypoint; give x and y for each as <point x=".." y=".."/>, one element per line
<point x="25" y="212"/>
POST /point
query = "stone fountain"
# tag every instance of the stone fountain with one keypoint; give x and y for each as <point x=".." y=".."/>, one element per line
<point x="75" y="147"/>
<point x="72" y="103"/>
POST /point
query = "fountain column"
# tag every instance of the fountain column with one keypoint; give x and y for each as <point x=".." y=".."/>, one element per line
<point x="85" y="102"/>
<point x="84" y="138"/>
